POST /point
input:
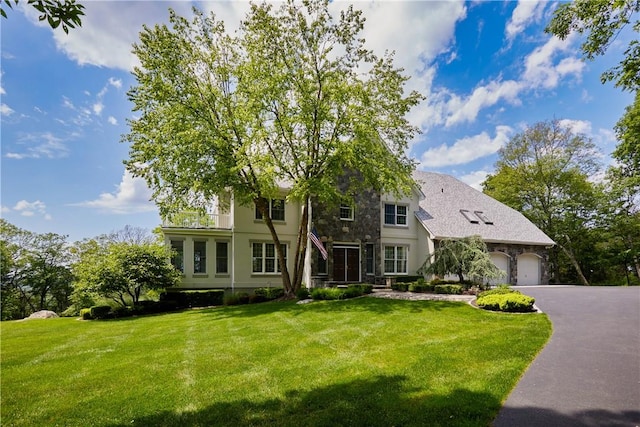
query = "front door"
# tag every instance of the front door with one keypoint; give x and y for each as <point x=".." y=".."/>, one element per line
<point x="346" y="264"/>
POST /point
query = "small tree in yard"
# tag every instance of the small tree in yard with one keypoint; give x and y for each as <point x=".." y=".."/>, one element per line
<point x="122" y="271"/>
<point x="292" y="97"/>
<point x="466" y="256"/>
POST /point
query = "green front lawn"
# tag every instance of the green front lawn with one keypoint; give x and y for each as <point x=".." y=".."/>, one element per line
<point x="361" y="362"/>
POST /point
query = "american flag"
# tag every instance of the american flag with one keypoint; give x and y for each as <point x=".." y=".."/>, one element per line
<point x="316" y="241"/>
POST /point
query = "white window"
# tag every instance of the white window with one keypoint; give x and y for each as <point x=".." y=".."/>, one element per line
<point x="395" y="214"/>
<point x="346" y="213"/>
<point x="276" y="210"/>
<point x="177" y="254"/>
<point x="199" y="257"/>
<point x="264" y="258"/>
<point x="395" y="260"/>
<point x="222" y="257"/>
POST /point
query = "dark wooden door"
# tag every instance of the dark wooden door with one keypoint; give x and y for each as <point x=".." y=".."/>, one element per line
<point x="346" y="264"/>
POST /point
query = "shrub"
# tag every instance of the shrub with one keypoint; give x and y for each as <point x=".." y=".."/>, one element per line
<point x="510" y="302"/>
<point x="327" y="293"/>
<point x="448" y="289"/>
<point x="184" y="299"/>
<point x="122" y="312"/>
<point x="400" y="286"/>
<point x="500" y="290"/>
<point x="231" y="300"/>
<point x="421" y="286"/>
<point x="303" y="293"/>
<point x="100" y="311"/>
<point x="407" y="279"/>
<point x="364" y="288"/>
<point x="269" y="293"/>
<point x="85" y="313"/>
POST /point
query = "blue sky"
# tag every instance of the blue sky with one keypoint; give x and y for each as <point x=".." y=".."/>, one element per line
<point x="487" y="70"/>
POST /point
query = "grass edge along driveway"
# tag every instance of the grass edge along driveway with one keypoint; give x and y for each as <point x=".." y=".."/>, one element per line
<point x="366" y="361"/>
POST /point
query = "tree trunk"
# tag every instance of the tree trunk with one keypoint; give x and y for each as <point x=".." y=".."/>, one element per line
<point x="569" y="253"/>
<point x="301" y="248"/>
<point x="262" y="206"/>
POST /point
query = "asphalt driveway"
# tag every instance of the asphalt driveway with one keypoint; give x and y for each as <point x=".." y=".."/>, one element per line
<point x="588" y="374"/>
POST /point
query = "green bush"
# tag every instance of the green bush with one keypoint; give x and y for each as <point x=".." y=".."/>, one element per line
<point x="407" y="279"/>
<point x="269" y="293"/>
<point x="185" y="299"/>
<point x="500" y="290"/>
<point x="85" y="314"/>
<point x="100" y="311"/>
<point x="400" y="286"/>
<point x="421" y="286"/>
<point x="448" y="289"/>
<point x="303" y="293"/>
<point x="509" y="302"/>
<point x="327" y="293"/>
<point x="364" y="288"/>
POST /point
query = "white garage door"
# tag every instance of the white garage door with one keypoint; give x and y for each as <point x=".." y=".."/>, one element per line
<point x="502" y="262"/>
<point x="528" y="270"/>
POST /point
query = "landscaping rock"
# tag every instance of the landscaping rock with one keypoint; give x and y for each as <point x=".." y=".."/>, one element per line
<point x="43" y="314"/>
<point x="304" y="301"/>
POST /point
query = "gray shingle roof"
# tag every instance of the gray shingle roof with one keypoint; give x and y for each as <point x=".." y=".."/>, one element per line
<point x="445" y="197"/>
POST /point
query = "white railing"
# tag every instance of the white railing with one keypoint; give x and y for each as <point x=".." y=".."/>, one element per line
<point x="197" y="220"/>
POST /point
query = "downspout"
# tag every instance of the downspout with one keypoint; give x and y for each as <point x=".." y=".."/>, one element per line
<point x="233" y="243"/>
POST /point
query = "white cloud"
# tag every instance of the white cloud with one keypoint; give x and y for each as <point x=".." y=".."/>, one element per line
<point x="117" y="83"/>
<point x="26" y="208"/>
<point x="540" y="71"/>
<point x="577" y="126"/>
<point x="97" y="43"/>
<point x="97" y="108"/>
<point x="525" y="12"/>
<point x="475" y="179"/>
<point x="5" y="110"/>
<point x="42" y="145"/>
<point x="131" y="196"/>
<point x="483" y="96"/>
<point x="5" y="209"/>
<point x="466" y="149"/>
<point x="112" y="120"/>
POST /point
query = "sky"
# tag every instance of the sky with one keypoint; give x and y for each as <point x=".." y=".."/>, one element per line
<point x="487" y="71"/>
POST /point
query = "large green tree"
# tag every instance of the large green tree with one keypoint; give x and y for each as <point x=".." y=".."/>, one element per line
<point x="467" y="256"/>
<point x="123" y="271"/>
<point x="293" y="97"/>
<point x="544" y="173"/>
<point x="36" y="273"/>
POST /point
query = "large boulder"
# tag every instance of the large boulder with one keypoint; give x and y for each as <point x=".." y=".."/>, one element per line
<point x="43" y="314"/>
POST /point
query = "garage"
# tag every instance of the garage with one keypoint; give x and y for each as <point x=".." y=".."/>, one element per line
<point x="528" y="269"/>
<point x="501" y="260"/>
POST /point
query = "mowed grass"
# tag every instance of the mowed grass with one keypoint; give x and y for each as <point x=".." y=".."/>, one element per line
<point x="362" y="362"/>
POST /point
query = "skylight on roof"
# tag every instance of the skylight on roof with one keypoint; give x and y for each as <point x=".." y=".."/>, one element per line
<point x="467" y="214"/>
<point x="483" y="217"/>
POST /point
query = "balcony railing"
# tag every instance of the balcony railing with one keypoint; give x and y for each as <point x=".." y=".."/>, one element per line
<point x="197" y="220"/>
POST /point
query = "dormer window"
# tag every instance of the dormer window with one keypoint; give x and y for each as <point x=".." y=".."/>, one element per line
<point x="469" y="216"/>
<point x="483" y="217"/>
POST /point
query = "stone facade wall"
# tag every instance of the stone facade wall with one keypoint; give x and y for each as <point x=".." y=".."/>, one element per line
<point x="513" y="251"/>
<point x="364" y="229"/>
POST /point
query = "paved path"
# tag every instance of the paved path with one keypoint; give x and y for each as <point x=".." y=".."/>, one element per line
<point x="588" y="374"/>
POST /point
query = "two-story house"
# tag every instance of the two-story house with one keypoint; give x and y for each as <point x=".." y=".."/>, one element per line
<point x="377" y="238"/>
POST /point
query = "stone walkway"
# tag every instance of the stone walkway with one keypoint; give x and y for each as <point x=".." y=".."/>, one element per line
<point x="414" y="296"/>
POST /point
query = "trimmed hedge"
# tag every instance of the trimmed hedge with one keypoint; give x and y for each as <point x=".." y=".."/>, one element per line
<point x="421" y="286"/>
<point x="400" y="286"/>
<point x="185" y="299"/>
<point x="100" y="311"/>
<point x="85" y="314"/>
<point x="269" y="293"/>
<point x="350" y="291"/>
<point x="509" y="302"/>
<point x="501" y="290"/>
<point x="448" y="289"/>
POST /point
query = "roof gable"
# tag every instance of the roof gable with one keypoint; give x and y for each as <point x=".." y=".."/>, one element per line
<point x="452" y="209"/>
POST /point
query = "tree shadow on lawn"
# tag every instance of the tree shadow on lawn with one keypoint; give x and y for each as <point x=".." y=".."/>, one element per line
<point x="362" y="304"/>
<point x="377" y="401"/>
